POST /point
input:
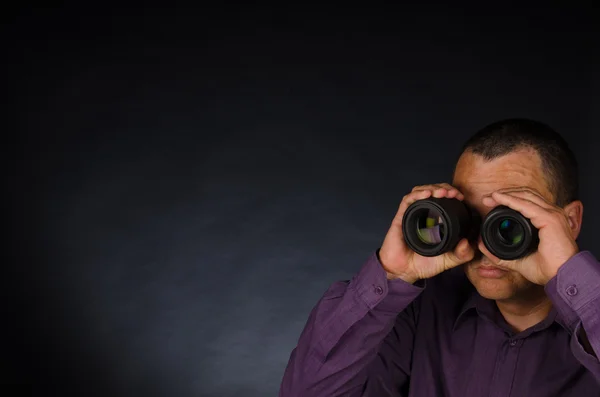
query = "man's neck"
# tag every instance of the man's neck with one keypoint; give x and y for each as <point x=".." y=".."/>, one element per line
<point x="524" y="312"/>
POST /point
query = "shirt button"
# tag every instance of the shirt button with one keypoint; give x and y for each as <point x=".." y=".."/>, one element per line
<point x="513" y="342"/>
<point x="572" y="290"/>
<point x="378" y="290"/>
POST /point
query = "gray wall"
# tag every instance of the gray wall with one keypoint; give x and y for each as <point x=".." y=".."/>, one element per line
<point x="186" y="186"/>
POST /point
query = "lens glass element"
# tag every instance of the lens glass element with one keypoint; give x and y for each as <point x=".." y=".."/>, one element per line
<point x="511" y="232"/>
<point x="430" y="227"/>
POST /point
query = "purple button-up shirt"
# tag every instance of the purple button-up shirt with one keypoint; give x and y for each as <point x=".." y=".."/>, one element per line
<point x="376" y="337"/>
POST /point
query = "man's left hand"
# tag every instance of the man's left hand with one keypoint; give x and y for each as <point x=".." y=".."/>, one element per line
<point x="557" y="244"/>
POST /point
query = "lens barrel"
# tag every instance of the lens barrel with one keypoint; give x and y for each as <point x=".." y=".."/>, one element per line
<point x="434" y="226"/>
<point x="508" y="234"/>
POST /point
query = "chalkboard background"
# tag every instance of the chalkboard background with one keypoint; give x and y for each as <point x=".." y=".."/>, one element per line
<point x="183" y="185"/>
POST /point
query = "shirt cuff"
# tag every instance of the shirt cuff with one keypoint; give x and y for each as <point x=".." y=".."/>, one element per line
<point x="575" y="293"/>
<point x="376" y="291"/>
<point x="593" y="336"/>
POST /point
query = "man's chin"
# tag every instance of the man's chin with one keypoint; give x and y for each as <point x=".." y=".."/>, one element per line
<point x="491" y="288"/>
<point x="494" y="292"/>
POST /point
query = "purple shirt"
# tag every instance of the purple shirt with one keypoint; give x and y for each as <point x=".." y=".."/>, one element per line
<point x="376" y="337"/>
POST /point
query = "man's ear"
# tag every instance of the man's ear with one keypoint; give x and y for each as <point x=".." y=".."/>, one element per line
<point x="574" y="211"/>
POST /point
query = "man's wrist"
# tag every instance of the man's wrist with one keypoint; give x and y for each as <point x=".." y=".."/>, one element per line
<point x="393" y="275"/>
<point x="404" y="277"/>
<point x="553" y="272"/>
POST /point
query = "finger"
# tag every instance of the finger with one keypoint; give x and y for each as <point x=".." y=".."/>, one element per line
<point x="510" y="265"/>
<point x="533" y="197"/>
<point x="538" y="215"/>
<point x="426" y="191"/>
<point x="440" y="190"/>
<point x="431" y="186"/>
<point x="464" y="250"/>
<point x="462" y="253"/>
<point x="446" y="186"/>
<point x="417" y="195"/>
<point x="453" y="192"/>
<point x="520" y="189"/>
<point x="488" y="201"/>
<point x="409" y="199"/>
<point x="523" y="194"/>
<point x="491" y="257"/>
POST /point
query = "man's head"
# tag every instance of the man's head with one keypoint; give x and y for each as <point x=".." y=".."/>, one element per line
<point x="515" y="153"/>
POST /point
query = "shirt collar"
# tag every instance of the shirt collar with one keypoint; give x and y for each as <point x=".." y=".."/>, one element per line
<point x="486" y="308"/>
<point x="475" y="303"/>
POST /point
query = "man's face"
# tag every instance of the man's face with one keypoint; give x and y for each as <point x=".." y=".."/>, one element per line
<point x="477" y="178"/>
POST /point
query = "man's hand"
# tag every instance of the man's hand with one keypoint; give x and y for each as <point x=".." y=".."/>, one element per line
<point x="557" y="244"/>
<point x="400" y="262"/>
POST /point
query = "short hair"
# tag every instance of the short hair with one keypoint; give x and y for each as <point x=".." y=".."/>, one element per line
<point x="559" y="164"/>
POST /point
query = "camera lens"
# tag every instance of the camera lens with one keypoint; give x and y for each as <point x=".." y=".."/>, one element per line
<point x="434" y="226"/>
<point x="430" y="226"/>
<point x="510" y="231"/>
<point x="509" y="235"/>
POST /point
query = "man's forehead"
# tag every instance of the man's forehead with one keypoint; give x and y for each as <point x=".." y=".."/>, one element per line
<point x="475" y="176"/>
<point x="475" y="189"/>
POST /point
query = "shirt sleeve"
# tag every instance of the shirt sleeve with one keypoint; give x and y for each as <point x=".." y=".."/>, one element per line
<point x="358" y="339"/>
<point x="575" y="293"/>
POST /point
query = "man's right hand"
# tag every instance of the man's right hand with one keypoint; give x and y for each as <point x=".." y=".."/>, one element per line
<point x="399" y="261"/>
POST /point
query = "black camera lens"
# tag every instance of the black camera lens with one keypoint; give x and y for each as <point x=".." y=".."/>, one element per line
<point x="508" y="234"/>
<point x="434" y="226"/>
<point x="430" y="226"/>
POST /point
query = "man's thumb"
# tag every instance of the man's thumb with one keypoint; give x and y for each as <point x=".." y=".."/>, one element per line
<point x="463" y="252"/>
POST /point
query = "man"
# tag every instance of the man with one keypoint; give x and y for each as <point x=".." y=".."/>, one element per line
<point x="466" y="323"/>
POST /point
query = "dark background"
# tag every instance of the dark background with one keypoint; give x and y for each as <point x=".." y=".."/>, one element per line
<point x="183" y="185"/>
